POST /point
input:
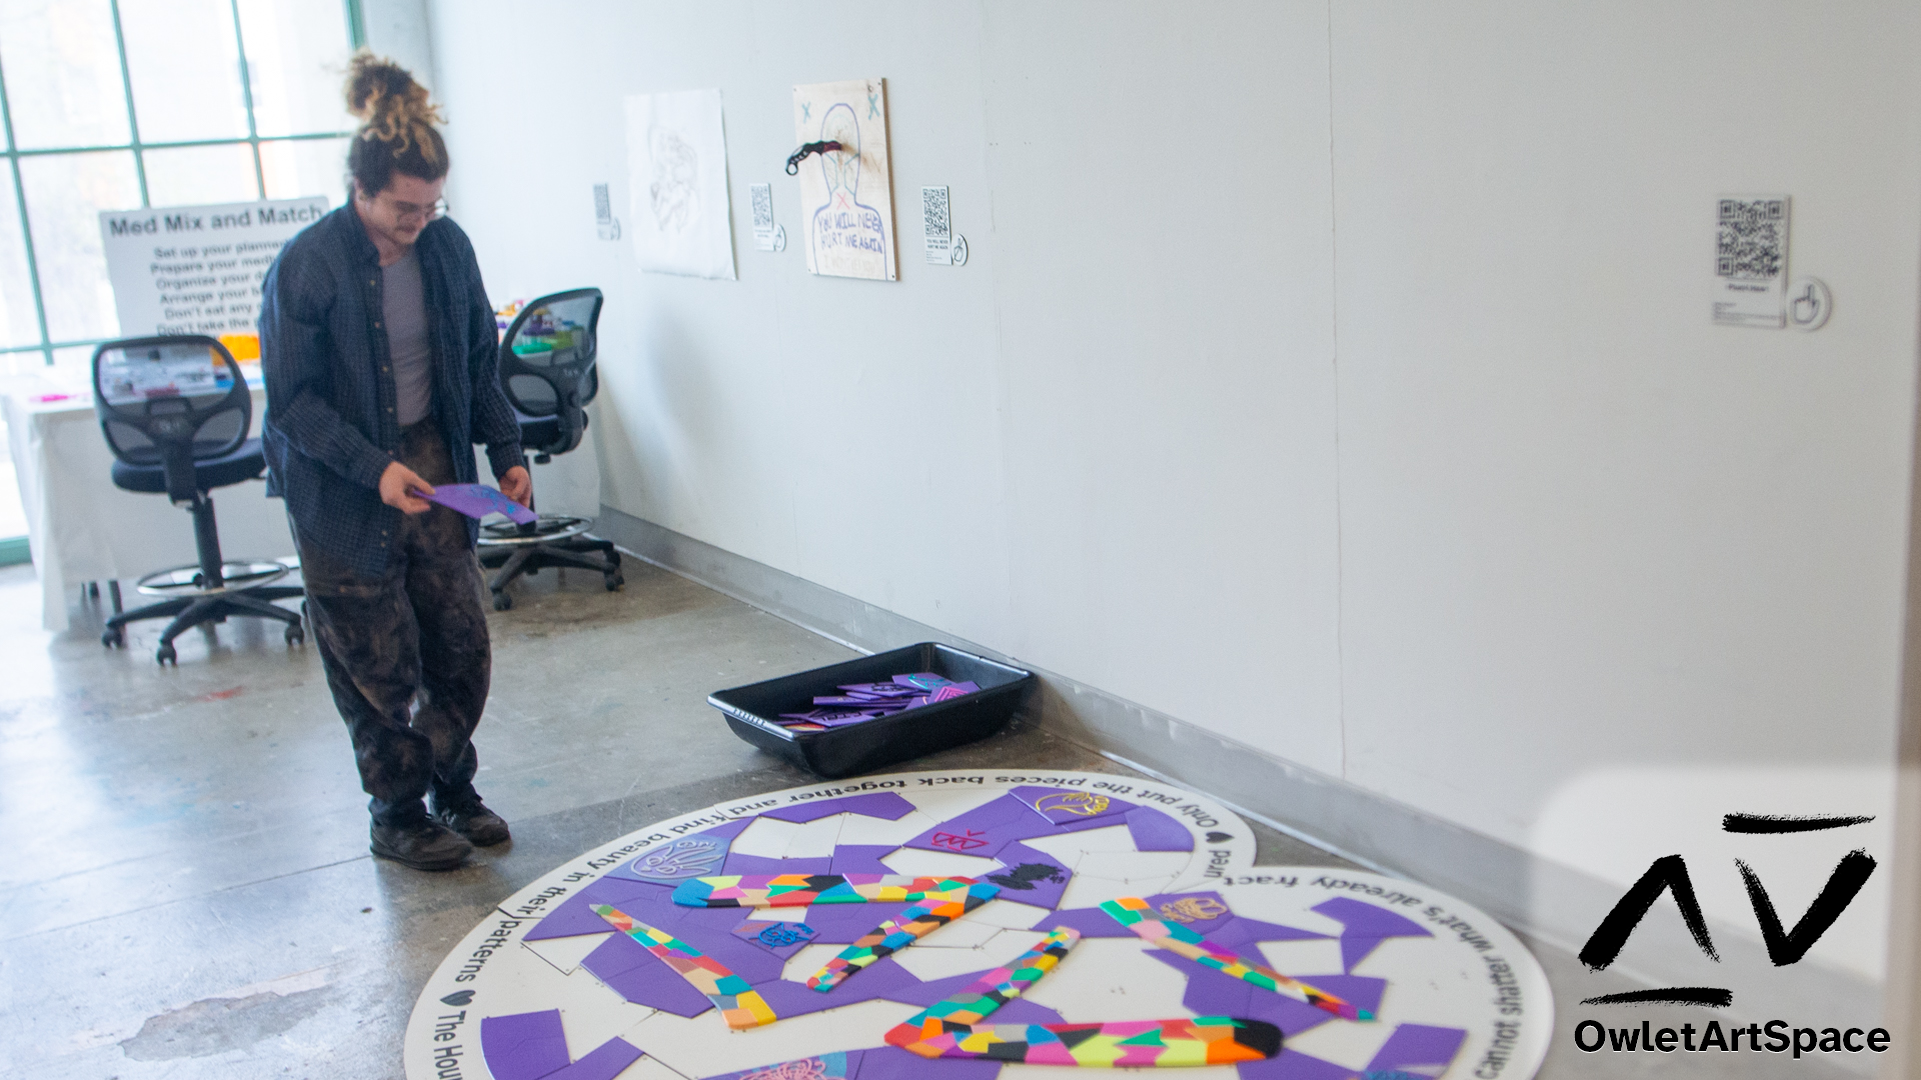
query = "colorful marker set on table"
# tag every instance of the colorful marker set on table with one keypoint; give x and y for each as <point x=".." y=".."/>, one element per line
<point x="860" y="702"/>
<point x="953" y="1028"/>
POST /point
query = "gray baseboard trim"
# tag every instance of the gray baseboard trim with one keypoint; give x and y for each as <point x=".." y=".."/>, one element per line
<point x="1548" y="901"/>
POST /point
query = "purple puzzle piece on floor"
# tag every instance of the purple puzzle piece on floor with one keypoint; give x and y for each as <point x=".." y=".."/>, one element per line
<point x="631" y="971"/>
<point x="1155" y="831"/>
<point x="523" y="1046"/>
<point x="884" y="805"/>
<point x="1029" y="876"/>
<point x="607" y="1061"/>
<point x="783" y="939"/>
<point x="677" y="861"/>
<point x="575" y="915"/>
<point x="479" y="500"/>
<point x="1364" y="926"/>
<point x="1210" y="993"/>
<point x="1418" y="1046"/>
<point x="863" y="859"/>
<point x="985" y="829"/>
<point x="1068" y="806"/>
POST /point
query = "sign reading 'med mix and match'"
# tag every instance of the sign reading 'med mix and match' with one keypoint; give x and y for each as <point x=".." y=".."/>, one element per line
<point x="197" y="269"/>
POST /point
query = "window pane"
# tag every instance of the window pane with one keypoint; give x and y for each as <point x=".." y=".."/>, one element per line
<point x="192" y="175"/>
<point x="17" y="323"/>
<point x="297" y="58"/>
<point x="307" y="167"/>
<point x="185" y="69"/>
<point x="65" y="195"/>
<point x="63" y="73"/>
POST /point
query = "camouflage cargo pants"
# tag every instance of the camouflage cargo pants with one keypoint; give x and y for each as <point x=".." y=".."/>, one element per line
<point x="406" y="653"/>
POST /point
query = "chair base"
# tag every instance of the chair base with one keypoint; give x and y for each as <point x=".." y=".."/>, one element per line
<point x="572" y="553"/>
<point x="189" y="612"/>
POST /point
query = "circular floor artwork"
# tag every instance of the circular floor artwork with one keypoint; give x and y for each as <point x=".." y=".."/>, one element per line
<point x="969" y="925"/>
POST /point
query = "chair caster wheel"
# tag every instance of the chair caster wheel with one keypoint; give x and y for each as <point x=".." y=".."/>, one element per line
<point x="166" y="655"/>
<point x="502" y="601"/>
<point x="613" y="580"/>
<point x="294" y="634"/>
<point x="113" y="639"/>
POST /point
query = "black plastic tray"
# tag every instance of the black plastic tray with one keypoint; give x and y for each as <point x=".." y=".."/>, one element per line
<point x="869" y="745"/>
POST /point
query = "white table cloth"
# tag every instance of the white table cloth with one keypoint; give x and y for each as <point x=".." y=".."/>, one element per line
<point x="83" y="528"/>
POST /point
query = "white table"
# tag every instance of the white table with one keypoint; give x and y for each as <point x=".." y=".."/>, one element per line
<point x="83" y="528"/>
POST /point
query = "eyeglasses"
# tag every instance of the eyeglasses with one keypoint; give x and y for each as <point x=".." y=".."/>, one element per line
<point x="406" y="211"/>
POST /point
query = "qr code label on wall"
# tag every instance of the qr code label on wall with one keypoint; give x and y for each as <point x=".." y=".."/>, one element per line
<point x="761" y="199"/>
<point x="1751" y="260"/>
<point x="937" y="225"/>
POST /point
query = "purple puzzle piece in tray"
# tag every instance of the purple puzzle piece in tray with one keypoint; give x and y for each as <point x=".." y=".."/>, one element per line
<point x="844" y="924"/>
<point x="479" y="500"/>
<point x="884" y="805"/>
<point x="523" y="1046"/>
<point x="751" y="865"/>
<point x="893" y="1063"/>
<point x="607" y="1061"/>
<point x="1293" y="1065"/>
<point x="862" y="859"/>
<point x="1418" y="1046"/>
<point x="882" y="979"/>
<point x="783" y="938"/>
<point x="1211" y="993"/>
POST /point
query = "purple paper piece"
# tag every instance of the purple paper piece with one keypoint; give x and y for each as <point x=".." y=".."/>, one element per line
<point x="687" y="857"/>
<point x="607" y="1061"/>
<point x="893" y="1063"/>
<point x="1025" y="877"/>
<point x="631" y="971"/>
<point x="783" y="938"/>
<point x="523" y="1046"/>
<point x="574" y="916"/>
<point x="1355" y="949"/>
<point x="1367" y="920"/>
<point x="755" y="865"/>
<point x="1095" y="923"/>
<point x="1241" y="933"/>
<point x="884" y="805"/>
<point x="1418" y="1046"/>
<point x="1155" y="831"/>
<point x="1294" y="1065"/>
<point x="862" y="859"/>
<point x="479" y="500"/>
<point x="882" y="979"/>
<point x="985" y="830"/>
<point x="925" y="680"/>
<point x="1066" y="806"/>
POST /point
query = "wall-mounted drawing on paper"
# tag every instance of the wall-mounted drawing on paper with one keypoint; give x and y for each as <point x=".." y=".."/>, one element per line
<point x="677" y="174"/>
<point x="847" y="202"/>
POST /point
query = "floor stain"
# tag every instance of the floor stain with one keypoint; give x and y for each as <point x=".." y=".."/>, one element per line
<point x="217" y="1025"/>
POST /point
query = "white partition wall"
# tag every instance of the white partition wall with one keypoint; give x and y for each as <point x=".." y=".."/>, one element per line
<point x="1334" y="379"/>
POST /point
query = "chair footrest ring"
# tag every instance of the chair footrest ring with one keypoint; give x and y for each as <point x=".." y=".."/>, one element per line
<point x="237" y="576"/>
<point x="549" y="528"/>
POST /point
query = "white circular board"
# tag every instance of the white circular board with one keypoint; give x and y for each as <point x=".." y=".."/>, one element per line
<point x="546" y="990"/>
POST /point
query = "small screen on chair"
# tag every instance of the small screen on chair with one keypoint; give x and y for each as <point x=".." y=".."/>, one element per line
<point x="131" y="376"/>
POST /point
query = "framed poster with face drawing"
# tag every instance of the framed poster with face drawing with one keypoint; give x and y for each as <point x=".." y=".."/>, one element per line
<point x="847" y="199"/>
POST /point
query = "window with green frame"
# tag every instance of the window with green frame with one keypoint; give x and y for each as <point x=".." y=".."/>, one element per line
<point x="124" y="104"/>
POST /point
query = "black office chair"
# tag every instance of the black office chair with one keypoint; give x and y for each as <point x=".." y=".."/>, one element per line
<point x="547" y="369"/>
<point x="176" y="412"/>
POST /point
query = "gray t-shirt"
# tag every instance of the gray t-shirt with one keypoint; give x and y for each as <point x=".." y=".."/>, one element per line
<point x="403" y="305"/>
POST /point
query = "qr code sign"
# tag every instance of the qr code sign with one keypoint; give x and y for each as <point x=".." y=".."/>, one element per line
<point x="1752" y="239"/>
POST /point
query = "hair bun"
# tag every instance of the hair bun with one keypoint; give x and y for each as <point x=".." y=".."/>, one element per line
<point x="390" y="105"/>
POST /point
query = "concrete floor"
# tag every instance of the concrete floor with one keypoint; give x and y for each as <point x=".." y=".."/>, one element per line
<point x="187" y="888"/>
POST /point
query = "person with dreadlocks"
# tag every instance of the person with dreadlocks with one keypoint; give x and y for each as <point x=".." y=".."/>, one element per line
<point x="378" y="348"/>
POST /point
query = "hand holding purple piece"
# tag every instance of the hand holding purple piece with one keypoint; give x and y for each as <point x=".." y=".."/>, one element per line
<point x="479" y="500"/>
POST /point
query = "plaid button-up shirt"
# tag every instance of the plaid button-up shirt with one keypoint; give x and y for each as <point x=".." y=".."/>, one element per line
<point x="330" y="428"/>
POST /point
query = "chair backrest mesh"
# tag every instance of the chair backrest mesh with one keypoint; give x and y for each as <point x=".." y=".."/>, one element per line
<point x="551" y="348"/>
<point x="178" y="390"/>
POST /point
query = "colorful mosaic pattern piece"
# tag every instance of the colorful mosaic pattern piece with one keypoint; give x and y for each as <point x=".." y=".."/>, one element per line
<point x="739" y="1003"/>
<point x="990" y="992"/>
<point x="1133" y="913"/>
<point x="912" y="924"/>
<point x="1202" y="1040"/>
<point x="800" y="890"/>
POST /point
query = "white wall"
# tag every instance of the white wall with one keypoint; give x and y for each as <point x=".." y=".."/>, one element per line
<point x="1335" y="377"/>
